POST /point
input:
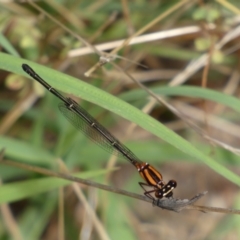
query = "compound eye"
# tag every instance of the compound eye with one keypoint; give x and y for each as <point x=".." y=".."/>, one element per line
<point x="159" y="194"/>
<point x="172" y="183"/>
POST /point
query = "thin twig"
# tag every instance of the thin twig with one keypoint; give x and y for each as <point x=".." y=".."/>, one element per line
<point x="155" y="36"/>
<point x="103" y="56"/>
<point x="139" y="32"/>
<point x="170" y="204"/>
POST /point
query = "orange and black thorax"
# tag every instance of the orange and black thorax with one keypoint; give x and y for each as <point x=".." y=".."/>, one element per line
<point x="150" y="175"/>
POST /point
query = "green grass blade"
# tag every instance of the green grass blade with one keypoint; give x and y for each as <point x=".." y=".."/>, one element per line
<point x="7" y="45"/>
<point x="16" y="191"/>
<point x="26" y="152"/>
<point x="81" y="89"/>
<point x="187" y="91"/>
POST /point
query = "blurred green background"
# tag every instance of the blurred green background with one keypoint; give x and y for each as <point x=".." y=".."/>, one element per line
<point x="204" y="89"/>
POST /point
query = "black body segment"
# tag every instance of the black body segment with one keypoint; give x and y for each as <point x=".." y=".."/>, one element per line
<point x="92" y="129"/>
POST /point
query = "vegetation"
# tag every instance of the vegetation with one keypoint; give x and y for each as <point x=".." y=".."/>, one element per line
<point x="191" y="134"/>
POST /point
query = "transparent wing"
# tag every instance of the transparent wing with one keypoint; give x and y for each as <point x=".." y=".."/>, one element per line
<point x="93" y="130"/>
